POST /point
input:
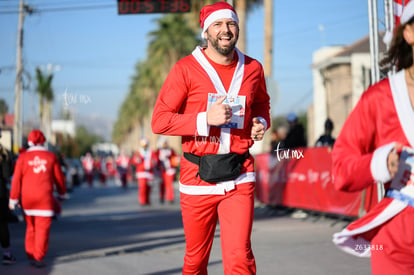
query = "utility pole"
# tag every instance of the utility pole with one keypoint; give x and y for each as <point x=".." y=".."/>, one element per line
<point x="18" y="85"/>
<point x="17" y="127"/>
<point x="373" y="39"/>
<point x="268" y="43"/>
<point x="374" y="49"/>
<point x="241" y="8"/>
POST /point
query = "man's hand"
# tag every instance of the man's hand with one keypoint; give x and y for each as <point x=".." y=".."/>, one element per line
<point x="393" y="160"/>
<point x="219" y="113"/>
<point x="258" y="130"/>
<point x="13" y="206"/>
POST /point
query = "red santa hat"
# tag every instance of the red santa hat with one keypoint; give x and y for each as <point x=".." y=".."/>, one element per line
<point x="407" y="12"/>
<point x="216" y="11"/>
<point x="36" y="137"/>
<point x="403" y="12"/>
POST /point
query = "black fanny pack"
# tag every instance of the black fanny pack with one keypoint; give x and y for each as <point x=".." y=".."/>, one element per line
<point x="220" y="167"/>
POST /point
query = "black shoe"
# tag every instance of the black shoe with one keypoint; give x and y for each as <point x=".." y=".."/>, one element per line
<point x="38" y="264"/>
<point x="8" y="259"/>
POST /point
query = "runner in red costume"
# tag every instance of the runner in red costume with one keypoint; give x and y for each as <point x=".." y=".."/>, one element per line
<point x="145" y="160"/>
<point x="110" y="167"/>
<point x="36" y="174"/>
<point x="100" y="168"/>
<point x="216" y="99"/>
<point x="88" y="167"/>
<point x="167" y="167"/>
<point x="364" y="157"/>
<point x="122" y="167"/>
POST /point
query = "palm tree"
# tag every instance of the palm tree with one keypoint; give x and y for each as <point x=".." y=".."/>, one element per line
<point x="175" y="37"/>
<point x="4" y="108"/>
<point x="45" y="92"/>
<point x="172" y="40"/>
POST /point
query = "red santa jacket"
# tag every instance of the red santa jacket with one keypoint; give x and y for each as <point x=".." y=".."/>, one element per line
<point x="88" y="164"/>
<point x="144" y="161"/>
<point x="166" y="157"/>
<point x="37" y="172"/>
<point x="181" y="109"/>
<point x="122" y="161"/>
<point x="382" y="117"/>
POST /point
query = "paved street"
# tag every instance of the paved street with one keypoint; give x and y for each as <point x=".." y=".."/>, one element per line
<point x="103" y="231"/>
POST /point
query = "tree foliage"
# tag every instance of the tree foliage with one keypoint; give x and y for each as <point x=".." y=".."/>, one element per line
<point x="172" y="40"/>
<point x="176" y="36"/>
<point x="85" y="139"/>
<point x="75" y="147"/>
<point x="4" y="108"/>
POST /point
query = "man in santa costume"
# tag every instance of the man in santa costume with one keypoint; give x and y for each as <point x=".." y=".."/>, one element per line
<point x="88" y="164"/>
<point x="216" y="99"/>
<point x="99" y="165"/>
<point x="167" y="163"/>
<point x="367" y="151"/>
<point x="122" y="166"/>
<point x="37" y="173"/>
<point x="145" y="160"/>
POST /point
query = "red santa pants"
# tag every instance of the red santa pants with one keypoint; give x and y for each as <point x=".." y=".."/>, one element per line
<point x="37" y="236"/>
<point x="392" y="247"/>
<point x="167" y="186"/>
<point x="144" y="191"/>
<point x="200" y="214"/>
<point x="89" y="178"/>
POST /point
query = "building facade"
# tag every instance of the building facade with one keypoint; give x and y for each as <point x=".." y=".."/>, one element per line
<point x="340" y="75"/>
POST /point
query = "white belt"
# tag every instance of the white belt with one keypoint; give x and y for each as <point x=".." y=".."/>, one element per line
<point x="37" y="212"/>
<point x="146" y="175"/>
<point x="217" y="189"/>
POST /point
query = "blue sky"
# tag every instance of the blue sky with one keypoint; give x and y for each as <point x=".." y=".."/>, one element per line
<point x="94" y="51"/>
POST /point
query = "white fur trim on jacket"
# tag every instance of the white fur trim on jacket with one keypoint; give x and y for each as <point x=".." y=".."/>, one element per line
<point x="202" y="128"/>
<point x="38" y="212"/>
<point x="13" y="203"/>
<point x="379" y="168"/>
<point x="402" y="104"/>
<point x="217" y="189"/>
<point x="232" y="92"/>
<point x="358" y="246"/>
<point x="145" y="175"/>
<point x="217" y="15"/>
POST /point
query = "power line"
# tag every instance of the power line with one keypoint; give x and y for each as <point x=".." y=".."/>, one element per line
<point x="301" y="100"/>
<point x="65" y="9"/>
<point x="337" y="22"/>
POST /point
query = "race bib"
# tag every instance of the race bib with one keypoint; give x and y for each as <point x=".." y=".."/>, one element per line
<point x="237" y="104"/>
<point x="405" y="173"/>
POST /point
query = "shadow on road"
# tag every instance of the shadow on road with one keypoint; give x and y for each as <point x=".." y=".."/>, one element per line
<point x="104" y="221"/>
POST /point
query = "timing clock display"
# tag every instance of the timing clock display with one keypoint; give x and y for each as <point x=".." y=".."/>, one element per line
<point x="153" y="6"/>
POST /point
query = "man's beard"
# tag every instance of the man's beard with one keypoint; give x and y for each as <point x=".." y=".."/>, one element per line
<point x="222" y="50"/>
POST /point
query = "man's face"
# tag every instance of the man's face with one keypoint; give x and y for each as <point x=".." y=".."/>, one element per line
<point x="222" y="35"/>
<point x="144" y="144"/>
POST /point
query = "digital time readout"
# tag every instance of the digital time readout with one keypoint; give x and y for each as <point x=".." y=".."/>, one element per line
<point x="153" y="6"/>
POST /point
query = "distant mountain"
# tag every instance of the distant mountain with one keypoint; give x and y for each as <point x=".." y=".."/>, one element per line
<point x="97" y="124"/>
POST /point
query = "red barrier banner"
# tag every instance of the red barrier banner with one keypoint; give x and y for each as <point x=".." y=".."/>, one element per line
<point x="304" y="180"/>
